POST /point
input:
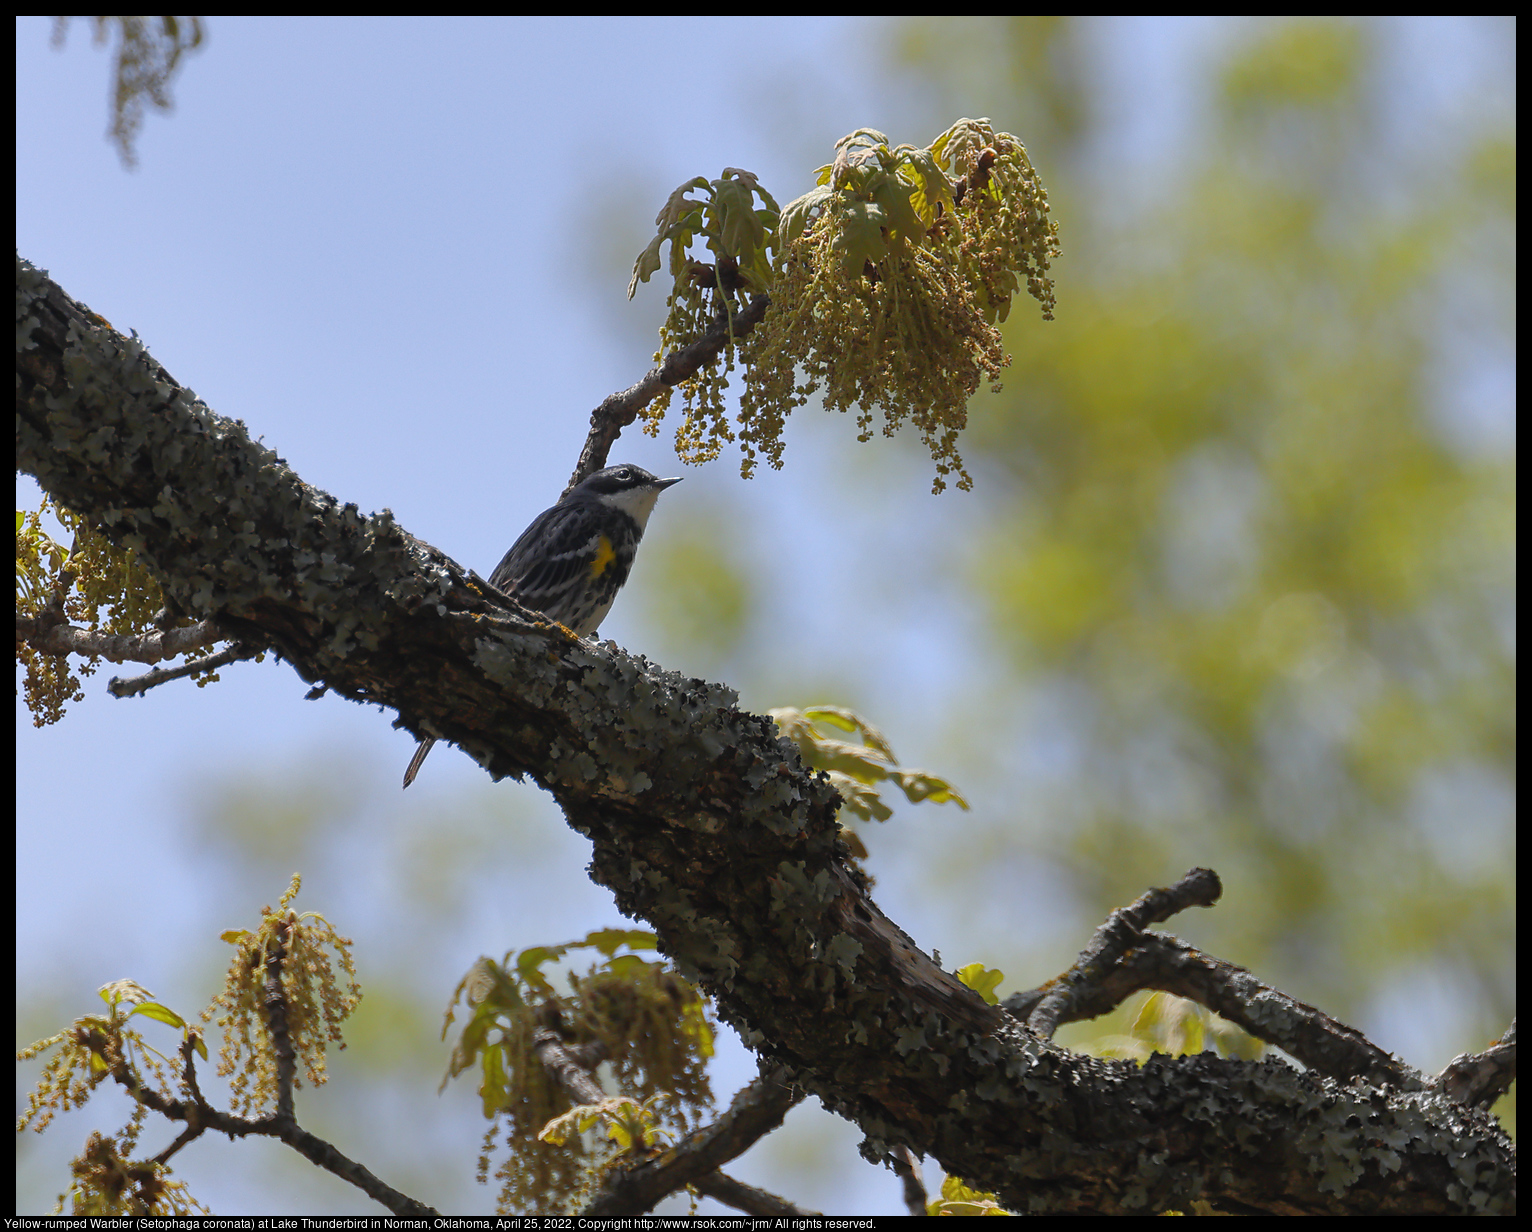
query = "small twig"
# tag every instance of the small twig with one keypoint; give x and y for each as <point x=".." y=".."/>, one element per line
<point x="618" y="410"/>
<point x="320" y="1153"/>
<point x="568" y="1066"/>
<point x="312" y="1148"/>
<point x="189" y="1060"/>
<point x="1309" y="1035"/>
<point x="907" y="1169"/>
<point x="131" y="686"/>
<point x="1123" y="929"/>
<point x="194" y="1123"/>
<point x="1478" y="1079"/>
<point x="188" y="1135"/>
<point x="1122" y="960"/>
<point x="565" y="1069"/>
<point x="747" y="1198"/>
<point x="757" y="1110"/>
<point x="275" y="1001"/>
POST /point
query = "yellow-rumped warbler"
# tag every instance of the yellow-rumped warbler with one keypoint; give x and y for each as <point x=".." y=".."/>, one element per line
<point x="571" y="562"/>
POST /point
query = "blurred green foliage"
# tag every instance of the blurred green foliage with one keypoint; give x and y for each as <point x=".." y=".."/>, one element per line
<point x="1255" y="581"/>
<point x="696" y="585"/>
<point x="147" y="57"/>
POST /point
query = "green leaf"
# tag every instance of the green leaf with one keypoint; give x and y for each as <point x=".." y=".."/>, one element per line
<point x="918" y="786"/>
<point x="983" y="980"/>
<point x="739" y="230"/>
<point x="892" y="196"/>
<point x="678" y="205"/>
<point x="494" y="1086"/>
<point x="799" y="213"/>
<point x="931" y="188"/>
<point x="118" y="991"/>
<point x="849" y="720"/>
<point x="610" y="940"/>
<point x="960" y="146"/>
<point x="958" y="1199"/>
<point x="679" y="218"/>
<point x="859" y="798"/>
<point x="630" y="966"/>
<point x="855" y="155"/>
<point x="160" y="1013"/>
<point x="861" y="762"/>
<point x="859" y="238"/>
<point x="835" y="716"/>
<point x="530" y="959"/>
<point x="621" y="1135"/>
<point x="646" y="264"/>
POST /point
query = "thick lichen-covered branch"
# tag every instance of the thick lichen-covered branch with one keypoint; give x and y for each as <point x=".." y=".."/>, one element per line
<point x="705" y="823"/>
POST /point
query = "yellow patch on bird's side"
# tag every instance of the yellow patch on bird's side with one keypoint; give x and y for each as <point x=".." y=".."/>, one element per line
<point x="605" y="555"/>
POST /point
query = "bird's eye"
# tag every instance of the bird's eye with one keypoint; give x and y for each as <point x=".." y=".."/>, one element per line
<point x="624" y="473"/>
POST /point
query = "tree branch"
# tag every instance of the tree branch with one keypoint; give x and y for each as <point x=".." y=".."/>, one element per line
<point x="907" y="1168"/>
<point x="1320" y="1042"/>
<point x="132" y="686"/>
<point x="1123" y="928"/>
<point x="705" y="823"/>
<point x="620" y="409"/>
<point x="1478" y="1079"/>
<point x="52" y="637"/>
<point x="755" y="1111"/>
<point x="200" y="1116"/>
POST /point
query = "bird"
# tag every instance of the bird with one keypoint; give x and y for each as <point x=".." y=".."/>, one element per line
<point x="572" y="560"/>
